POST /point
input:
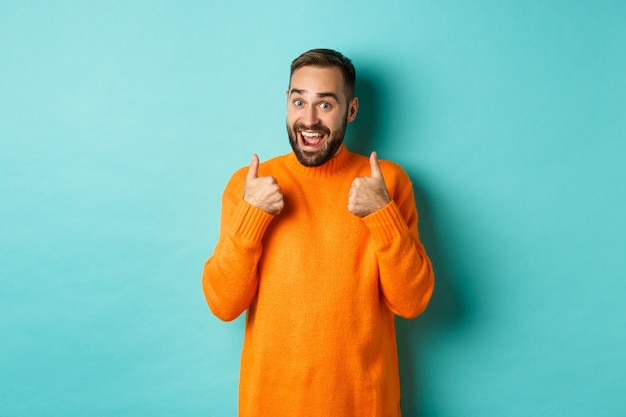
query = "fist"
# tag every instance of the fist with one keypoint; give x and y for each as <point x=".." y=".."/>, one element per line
<point x="368" y="194"/>
<point x="262" y="192"/>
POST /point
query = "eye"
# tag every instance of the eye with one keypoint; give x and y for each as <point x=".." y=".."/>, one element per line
<point x="298" y="103"/>
<point x="325" y="106"/>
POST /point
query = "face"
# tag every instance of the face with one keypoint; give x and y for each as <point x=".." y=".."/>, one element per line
<point x="317" y="114"/>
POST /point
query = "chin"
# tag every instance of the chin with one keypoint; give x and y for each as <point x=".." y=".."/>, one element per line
<point x="322" y="154"/>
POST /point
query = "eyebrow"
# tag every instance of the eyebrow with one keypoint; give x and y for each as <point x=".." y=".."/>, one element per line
<point x="319" y="95"/>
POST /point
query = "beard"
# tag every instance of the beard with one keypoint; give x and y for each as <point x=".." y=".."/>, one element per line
<point x="329" y="148"/>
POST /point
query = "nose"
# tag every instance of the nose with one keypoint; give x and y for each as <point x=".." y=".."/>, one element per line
<point x="310" y="116"/>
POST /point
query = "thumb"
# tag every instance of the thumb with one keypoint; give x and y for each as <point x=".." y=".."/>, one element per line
<point x="253" y="170"/>
<point x="375" y="167"/>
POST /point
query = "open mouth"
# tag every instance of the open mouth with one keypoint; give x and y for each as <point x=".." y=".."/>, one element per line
<point x="311" y="140"/>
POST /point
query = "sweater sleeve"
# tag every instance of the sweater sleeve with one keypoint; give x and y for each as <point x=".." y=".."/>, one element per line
<point x="229" y="278"/>
<point x="405" y="271"/>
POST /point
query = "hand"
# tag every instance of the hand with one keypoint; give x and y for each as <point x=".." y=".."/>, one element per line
<point x="262" y="192"/>
<point x="368" y="194"/>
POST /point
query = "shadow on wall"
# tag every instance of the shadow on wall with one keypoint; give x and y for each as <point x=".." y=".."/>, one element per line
<point x="447" y="308"/>
<point x="362" y="133"/>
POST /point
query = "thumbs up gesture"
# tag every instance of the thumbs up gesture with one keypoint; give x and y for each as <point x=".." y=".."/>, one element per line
<point x="368" y="194"/>
<point x="262" y="192"/>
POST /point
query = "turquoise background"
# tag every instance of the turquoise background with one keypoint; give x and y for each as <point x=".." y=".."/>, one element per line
<point x="120" y="123"/>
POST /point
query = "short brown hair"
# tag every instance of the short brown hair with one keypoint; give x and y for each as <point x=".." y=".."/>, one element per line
<point x="328" y="58"/>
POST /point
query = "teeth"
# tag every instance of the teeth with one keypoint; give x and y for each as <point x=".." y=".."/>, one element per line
<point x="312" y="135"/>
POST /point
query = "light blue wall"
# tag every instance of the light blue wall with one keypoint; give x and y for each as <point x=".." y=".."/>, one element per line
<point x="120" y="123"/>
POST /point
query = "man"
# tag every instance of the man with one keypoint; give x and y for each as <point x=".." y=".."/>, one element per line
<point x="321" y="247"/>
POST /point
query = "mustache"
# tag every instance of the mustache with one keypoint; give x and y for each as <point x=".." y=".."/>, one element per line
<point x="317" y="127"/>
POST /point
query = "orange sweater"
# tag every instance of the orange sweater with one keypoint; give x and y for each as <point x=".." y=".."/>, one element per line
<point x="321" y="287"/>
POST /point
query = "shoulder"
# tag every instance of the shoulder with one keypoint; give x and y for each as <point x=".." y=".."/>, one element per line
<point x="392" y="171"/>
<point x="265" y="168"/>
<point x="392" y="167"/>
<point x="396" y="179"/>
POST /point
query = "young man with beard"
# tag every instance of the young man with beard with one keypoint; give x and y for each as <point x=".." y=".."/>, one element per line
<point x="321" y="247"/>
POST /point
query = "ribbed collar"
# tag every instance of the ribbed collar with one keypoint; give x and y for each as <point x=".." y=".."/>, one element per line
<point x="335" y="165"/>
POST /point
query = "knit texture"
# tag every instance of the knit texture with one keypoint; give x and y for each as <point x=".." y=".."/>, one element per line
<point x="321" y="288"/>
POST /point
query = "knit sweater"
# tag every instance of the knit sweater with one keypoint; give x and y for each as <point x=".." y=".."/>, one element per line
<point x="321" y="287"/>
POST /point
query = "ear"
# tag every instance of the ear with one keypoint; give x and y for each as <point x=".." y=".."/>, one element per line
<point x="353" y="108"/>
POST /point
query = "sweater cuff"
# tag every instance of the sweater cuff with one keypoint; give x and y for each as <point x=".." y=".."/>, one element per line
<point x="386" y="224"/>
<point x="249" y="222"/>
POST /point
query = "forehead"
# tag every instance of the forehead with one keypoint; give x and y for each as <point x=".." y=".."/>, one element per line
<point x="317" y="80"/>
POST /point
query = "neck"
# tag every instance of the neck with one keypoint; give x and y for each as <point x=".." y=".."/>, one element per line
<point x="332" y="166"/>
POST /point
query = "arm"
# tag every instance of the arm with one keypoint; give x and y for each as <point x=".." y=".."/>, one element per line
<point x="405" y="271"/>
<point x="229" y="279"/>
